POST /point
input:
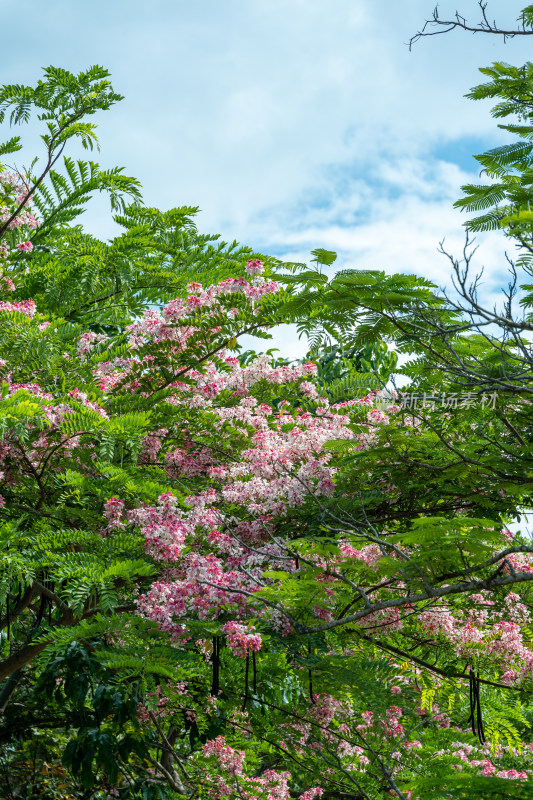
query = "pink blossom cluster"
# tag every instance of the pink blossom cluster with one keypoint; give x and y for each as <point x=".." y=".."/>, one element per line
<point x="241" y="639"/>
<point x="383" y="621"/>
<point x="111" y="374"/>
<point x="229" y="759"/>
<point x="155" y="703"/>
<point x="199" y="584"/>
<point x="369" y="554"/>
<point x="310" y="794"/>
<point x="24" y="247"/>
<point x="6" y="284"/>
<point x="45" y="435"/>
<point x="230" y="779"/>
<point x="284" y="460"/>
<point x="388" y="725"/>
<point x="83" y="398"/>
<point x="24" y="219"/>
<point x="113" y="511"/>
<point x="324" y="708"/>
<point x="243" y="378"/>
<point x="15" y="184"/>
<point x="166" y="527"/>
<point x="354" y="742"/>
<point x="13" y="191"/>
<point x="165" y="326"/>
<point x="26" y="307"/>
<point x="495" y="634"/>
<point x="392" y="725"/>
<point x="254" y="267"/>
<point x="188" y="461"/>
<point x="201" y="588"/>
<point x="88" y="341"/>
<point x="151" y="446"/>
<point x="477" y="760"/>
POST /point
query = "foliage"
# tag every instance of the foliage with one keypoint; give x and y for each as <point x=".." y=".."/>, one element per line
<point x="229" y="576"/>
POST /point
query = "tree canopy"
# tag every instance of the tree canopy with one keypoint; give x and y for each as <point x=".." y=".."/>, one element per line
<point x="230" y="575"/>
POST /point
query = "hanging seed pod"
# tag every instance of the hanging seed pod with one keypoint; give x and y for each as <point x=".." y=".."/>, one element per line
<point x="310" y="674"/>
<point x="215" y="660"/>
<point x="254" y="663"/>
<point x="41" y="611"/>
<point x="246" y="673"/>
<point x="476" y="717"/>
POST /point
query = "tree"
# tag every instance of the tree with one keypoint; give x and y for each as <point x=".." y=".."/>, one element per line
<point x="64" y="454"/>
<point x="240" y="578"/>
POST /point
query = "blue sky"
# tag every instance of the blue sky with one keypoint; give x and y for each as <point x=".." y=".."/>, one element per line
<point x="293" y="124"/>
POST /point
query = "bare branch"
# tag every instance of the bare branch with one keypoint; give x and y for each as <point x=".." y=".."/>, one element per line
<point x="436" y="26"/>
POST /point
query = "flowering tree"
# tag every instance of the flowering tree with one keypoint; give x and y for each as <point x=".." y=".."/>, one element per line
<point x="231" y="577"/>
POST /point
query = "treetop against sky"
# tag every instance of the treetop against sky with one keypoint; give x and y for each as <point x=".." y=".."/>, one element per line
<point x="231" y="575"/>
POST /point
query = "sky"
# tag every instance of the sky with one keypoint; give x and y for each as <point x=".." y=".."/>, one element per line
<point x="292" y="124"/>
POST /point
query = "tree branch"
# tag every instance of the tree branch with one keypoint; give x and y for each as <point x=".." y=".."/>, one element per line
<point x="458" y="21"/>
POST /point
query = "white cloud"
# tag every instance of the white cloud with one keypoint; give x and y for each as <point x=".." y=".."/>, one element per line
<point x="293" y="124"/>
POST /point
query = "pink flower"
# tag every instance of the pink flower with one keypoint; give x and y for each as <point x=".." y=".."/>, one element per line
<point x="241" y="640"/>
<point x="24" y="307"/>
<point x="309" y="389"/>
<point x="311" y="793"/>
<point x="254" y="267"/>
<point x="9" y="286"/>
<point x="229" y="759"/>
<point x="25" y="247"/>
<point x="113" y="509"/>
